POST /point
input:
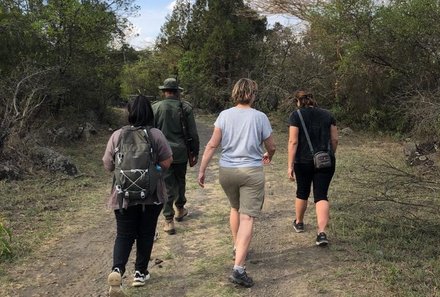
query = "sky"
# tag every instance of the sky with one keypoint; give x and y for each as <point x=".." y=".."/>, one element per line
<point x="151" y="16"/>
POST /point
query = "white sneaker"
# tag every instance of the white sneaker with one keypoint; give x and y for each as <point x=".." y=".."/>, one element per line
<point x="115" y="281"/>
<point x="139" y="279"/>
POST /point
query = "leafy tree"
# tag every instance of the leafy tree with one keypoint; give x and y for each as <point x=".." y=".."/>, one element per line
<point x="223" y="38"/>
<point x="72" y="39"/>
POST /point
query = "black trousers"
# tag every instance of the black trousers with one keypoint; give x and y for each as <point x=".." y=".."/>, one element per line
<point x="136" y="223"/>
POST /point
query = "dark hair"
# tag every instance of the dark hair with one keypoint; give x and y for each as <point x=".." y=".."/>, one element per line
<point x="140" y="112"/>
<point x="305" y="99"/>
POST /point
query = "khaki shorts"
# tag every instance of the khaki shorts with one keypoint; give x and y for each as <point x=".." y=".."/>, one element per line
<point x="244" y="188"/>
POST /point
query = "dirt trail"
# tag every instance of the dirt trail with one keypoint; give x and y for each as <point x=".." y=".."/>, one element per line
<point x="197" y="260"/>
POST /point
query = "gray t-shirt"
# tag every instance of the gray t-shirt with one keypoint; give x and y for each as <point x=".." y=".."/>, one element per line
<point x="243" y="133"/>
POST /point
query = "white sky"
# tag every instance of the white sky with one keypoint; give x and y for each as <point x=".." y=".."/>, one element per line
<point x="151" y="17"/>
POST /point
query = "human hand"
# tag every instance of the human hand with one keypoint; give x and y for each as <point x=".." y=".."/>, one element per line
<point x="267" y="158"/>
<point x="291" y="174"/>
<point x="201" y="179"/>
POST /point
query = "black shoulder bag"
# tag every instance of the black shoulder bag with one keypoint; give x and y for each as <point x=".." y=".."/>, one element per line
<point x="321" y="159"/>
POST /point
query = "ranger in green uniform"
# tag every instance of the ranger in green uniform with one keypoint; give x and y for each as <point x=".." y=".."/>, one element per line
<point x="167" y="118"/>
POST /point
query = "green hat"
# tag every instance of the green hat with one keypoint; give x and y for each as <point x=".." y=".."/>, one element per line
<point x="170" y="84"/>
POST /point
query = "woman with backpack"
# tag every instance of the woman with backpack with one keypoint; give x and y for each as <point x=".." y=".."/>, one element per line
<point x="138" y="193"/>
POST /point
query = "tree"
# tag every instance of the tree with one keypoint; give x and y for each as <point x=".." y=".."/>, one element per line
<point x="56" y="59"/>
<point x="223" y="38"/>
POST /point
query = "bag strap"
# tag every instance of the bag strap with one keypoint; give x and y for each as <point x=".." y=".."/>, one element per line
<point x="305" y="131"/>
<point x="149" y="138"/>
<point x="184" y="124"/>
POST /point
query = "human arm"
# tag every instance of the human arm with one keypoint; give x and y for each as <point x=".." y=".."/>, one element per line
<point x="210" y="148"/>
<point x="163" y="149"/>
<point x="334" y="137"/>
<point x="108" y="159"/>
<point x="165" y="164"/>
<point x="291" y="151"/>
<point x="270" y="147"/>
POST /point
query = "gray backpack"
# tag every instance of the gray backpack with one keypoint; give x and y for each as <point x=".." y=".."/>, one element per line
<point x="135" y="176"/>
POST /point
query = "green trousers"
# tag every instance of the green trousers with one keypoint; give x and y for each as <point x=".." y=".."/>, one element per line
<point x="175" y="183"/>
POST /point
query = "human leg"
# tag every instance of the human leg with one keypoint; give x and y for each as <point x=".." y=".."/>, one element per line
<point x="125" y="236"/>
<point x="251" y="202"/>
<point x="180" y="173"/>
<point x="171" y="185"/>
<point x="228" y="180"/>
<point x="304" y="177"/>
<point x="234" y="222"/>
<point x="322" y="214"/>
<point x="244" y="237"/>
<point x="321" y="183"/>
<point x="146" y="229"/>
<point x="300" y="209"/>
<point x="168" y="208"/>
<point x="180" y="176"/>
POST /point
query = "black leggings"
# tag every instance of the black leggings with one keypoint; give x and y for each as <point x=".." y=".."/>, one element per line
<point x="135" y="223"/>
<point x="306" y="174"/>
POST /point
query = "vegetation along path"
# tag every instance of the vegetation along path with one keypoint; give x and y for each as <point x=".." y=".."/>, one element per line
<point x="74" y="257"/>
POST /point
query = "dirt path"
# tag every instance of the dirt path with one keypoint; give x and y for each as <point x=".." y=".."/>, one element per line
<point x="195" y="261"/>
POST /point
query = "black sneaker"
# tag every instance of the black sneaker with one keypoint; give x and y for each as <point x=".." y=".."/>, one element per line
<point x="241" y="279"/>
<point x="299" y="228"/>
<point x="321" y="239"/>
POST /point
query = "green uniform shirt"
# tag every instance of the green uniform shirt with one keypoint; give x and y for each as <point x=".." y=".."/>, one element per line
<point x="167" y="119"/>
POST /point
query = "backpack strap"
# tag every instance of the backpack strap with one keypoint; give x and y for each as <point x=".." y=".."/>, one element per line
<point x="153" y="152"/>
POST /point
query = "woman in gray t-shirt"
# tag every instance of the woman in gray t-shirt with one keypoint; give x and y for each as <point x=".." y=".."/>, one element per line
<point x="242" y="132"/>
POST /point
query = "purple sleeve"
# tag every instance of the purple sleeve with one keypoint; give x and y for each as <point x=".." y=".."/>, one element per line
<point x="162" y="146"/>
<point x="109" y="153"/>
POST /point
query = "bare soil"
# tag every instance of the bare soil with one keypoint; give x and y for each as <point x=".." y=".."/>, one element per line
<point x="197" y="260"/>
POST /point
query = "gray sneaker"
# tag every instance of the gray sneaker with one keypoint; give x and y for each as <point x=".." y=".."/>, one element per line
<point x="241" y="279"/>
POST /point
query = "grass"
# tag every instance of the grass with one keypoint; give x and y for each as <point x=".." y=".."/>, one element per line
<point x="387" y="214"/>
<point x="35" y="206"/>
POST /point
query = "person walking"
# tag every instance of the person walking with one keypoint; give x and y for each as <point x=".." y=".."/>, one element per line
<point x="171" y="115"/>
<point x="323" y="136"/>
<point x="136" y="219"/>
<point x="241" y="131"/>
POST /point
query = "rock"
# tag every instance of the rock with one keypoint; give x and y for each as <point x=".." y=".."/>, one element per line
<point x="427" y="148"/>
<point x="409" y="149"/>
<point x="53" y="160"/>
<point x="347" y="131"/>
<point x="10" y="172"/>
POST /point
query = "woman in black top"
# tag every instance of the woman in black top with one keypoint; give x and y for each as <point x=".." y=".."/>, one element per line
<point x="323" y="133"/>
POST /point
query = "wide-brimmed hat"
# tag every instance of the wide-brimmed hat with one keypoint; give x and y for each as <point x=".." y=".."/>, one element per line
<point x="170" y="84"/>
